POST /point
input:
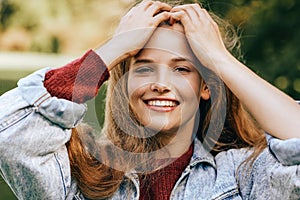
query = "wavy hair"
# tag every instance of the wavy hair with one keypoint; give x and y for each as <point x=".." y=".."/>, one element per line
<point x="99" y="168"/>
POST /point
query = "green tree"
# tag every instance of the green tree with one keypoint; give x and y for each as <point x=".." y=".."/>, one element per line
<point x="270" y="32"/>
<point x="273" y="49"/>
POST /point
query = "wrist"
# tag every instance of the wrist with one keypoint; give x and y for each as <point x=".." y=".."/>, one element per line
<point x="221" y="62"/>
<point x="79" y="80"/>
<point x="112" y="52"/>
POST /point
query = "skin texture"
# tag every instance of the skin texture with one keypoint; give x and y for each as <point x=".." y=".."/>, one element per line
<point x="277" y="113"/>
<point x="158" y="76"/>
<point x="156" y="73"/>
<point x="133" y="32"/>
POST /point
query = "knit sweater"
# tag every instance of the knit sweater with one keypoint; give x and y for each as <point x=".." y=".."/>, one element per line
<point x="79" y="81"/>
<point x="158" y="185"/>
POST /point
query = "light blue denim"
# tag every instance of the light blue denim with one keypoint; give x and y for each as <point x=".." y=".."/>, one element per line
<point x="34" y="128"/>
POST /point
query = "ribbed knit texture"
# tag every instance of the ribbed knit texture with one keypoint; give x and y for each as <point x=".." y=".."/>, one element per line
<point x="159" y="184"/>
<point x="79" y="80"/>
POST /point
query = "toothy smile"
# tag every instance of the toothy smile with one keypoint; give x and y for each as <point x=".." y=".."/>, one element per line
<point x="162" y="103"/>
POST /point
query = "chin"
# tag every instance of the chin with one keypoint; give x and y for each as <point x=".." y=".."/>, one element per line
<point x="163" y="128"/>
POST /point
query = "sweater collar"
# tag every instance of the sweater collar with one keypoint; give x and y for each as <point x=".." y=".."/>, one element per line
<point x="200" y="155"/>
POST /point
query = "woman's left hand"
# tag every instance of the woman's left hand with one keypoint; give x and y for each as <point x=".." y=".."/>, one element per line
<point x="202" y="33"/>
<point x="277" y="113"/>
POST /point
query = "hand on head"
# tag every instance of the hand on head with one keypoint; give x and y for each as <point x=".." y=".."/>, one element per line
<point x="137" y="26"/>
<point x="202" y="32"/>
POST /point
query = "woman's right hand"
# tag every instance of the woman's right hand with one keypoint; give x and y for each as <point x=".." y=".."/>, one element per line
<point x="133" y="31"/>
<point x="202" y="33"/>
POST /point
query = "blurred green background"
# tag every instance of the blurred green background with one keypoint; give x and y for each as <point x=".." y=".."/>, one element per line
<point x="36" y="34"/>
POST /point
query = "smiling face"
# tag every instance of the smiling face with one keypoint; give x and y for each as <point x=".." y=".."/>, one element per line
<point x="164" y="87"/>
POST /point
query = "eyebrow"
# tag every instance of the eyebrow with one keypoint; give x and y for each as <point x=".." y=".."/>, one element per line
<point x="179" y="59"/>
<point x="146" y="60"/>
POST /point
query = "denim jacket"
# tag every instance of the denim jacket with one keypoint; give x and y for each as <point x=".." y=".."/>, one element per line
<point x="34" y="128"/>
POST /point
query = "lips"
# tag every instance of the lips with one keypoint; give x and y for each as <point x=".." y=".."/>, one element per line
<point x="162" y="105"/>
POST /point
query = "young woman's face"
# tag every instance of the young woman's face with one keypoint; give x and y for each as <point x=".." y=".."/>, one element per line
<point x="164" y="84"/>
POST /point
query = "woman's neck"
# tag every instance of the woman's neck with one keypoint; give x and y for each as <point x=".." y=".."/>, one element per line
<point x="179" y="142"/>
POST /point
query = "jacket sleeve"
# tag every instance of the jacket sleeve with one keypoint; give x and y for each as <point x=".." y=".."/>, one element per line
<point x="34" y="128"/>
<point x="285" y="174"/>
<point x="275" y="172"/>
<point x="287" y="152"/>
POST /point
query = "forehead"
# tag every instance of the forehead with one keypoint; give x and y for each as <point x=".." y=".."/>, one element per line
<point x="169" y="39"/>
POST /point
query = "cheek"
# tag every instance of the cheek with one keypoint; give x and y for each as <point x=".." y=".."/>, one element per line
<point x="130" y="85"/>
<point x="134" y="85"/>
<point x="189" y="87"/>
<point x="197" y="92"/>
<point x="135" y="90"/>
<point x="195" y="84"/>
<point x="130" y="89"/>
<point x="138" y="86"/>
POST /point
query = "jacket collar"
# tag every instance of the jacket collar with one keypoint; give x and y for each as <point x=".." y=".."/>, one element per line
<point x="201" y="155"/>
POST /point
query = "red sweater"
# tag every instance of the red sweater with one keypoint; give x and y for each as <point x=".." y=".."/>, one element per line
<point x="159" y="184"/>
<point x="79" y="81"/>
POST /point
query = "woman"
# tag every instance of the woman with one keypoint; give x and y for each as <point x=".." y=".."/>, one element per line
<point x="164" y="63"/>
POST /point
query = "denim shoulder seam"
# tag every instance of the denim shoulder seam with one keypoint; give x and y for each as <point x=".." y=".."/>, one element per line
<point x="61" y="173"/>
<point x="16" y="117"/>
<point x="228" y="194"/>
<point x="42" y="99"/>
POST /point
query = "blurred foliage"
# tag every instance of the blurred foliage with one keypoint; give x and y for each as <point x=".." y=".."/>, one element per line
<point x="273" y="46"/>
<point x="269" y="31"/>
<point x="55" y="26"/>
<point x="59" y="26"/>
<point x="7" y="85"/>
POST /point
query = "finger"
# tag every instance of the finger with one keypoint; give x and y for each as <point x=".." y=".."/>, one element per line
<point x="193" y="12"/>
<point x="172" y="20"/>
<point x="164" y="16"/>
<point x="140" y="7"/>
<point x="188" y="7"/>
<point x="131" y="11"/>
<point x="188" y="10"/>
<point x="145" y="3"/>
<point x="157" y="6"/>
<point x="208" y="16"/>
<point x="148" y="3"/>
<point x="185" y="13"/>
<point x="181" y="7"/>
<point x="179" y="16"/>
<point x="197" y="8"/>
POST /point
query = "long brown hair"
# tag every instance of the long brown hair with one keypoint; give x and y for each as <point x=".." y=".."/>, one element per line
<point x="99" y="169"/>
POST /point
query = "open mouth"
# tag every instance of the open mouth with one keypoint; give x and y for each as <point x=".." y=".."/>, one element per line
<point x="162" y="103"/>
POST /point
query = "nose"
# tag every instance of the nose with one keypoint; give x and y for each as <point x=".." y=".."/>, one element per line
<point x="160" y="88"/>
<point x="162" y="83"/>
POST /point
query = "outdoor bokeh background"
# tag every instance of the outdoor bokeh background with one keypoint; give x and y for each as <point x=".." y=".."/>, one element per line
<point x="41" y="33"/>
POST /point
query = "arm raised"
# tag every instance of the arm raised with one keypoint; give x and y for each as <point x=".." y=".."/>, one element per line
<point x="276" y="112"/>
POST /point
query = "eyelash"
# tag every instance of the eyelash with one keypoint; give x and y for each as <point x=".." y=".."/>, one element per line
<point x="147" y="69"/>
<point x="181" y="69"/>
<point x="144" y="69"/>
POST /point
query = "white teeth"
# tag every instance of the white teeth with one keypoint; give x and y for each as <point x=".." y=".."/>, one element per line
<point x="162" y="103"/>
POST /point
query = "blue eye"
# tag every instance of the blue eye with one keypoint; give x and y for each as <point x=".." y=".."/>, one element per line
<point x="143" y="70"/>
